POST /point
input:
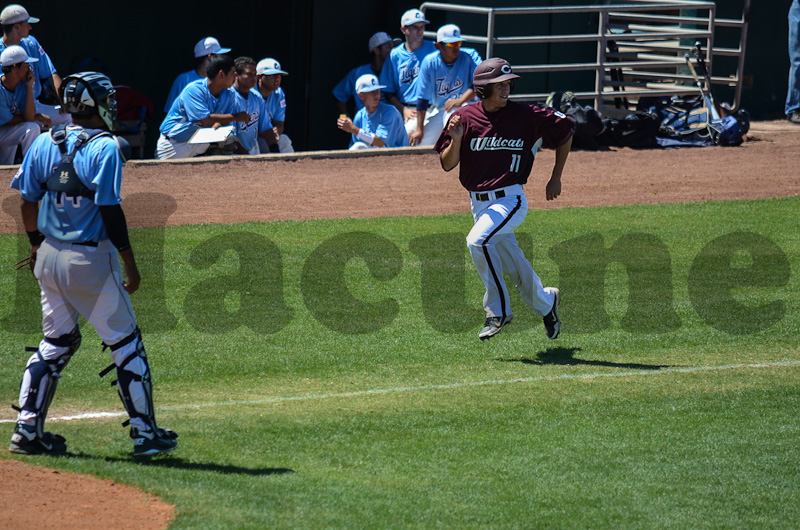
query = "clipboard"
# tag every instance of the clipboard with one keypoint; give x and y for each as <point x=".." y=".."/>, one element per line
<point x="209" y="135"/>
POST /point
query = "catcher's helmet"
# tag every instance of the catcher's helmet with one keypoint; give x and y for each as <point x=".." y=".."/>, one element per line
<point x="494" y="70"/>
<point x="86" y="93"/>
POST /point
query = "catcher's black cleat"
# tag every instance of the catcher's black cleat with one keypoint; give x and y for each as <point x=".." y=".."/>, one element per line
<point x="149" y="443"/>
<point x="492" y="326"/>
<point x="25" y="442"/>
<point x="552" y="324"/>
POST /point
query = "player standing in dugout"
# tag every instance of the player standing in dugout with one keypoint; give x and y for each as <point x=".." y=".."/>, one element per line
<point x="496" y="141"/>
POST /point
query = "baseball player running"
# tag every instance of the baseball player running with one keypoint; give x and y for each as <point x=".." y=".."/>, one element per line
<point x="495" y="141"/>
<point x="77" y="236"/>
<point x="444" y="84"/>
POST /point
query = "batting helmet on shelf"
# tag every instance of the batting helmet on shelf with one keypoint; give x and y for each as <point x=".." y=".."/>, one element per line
<point x="494" y="70"/>
<point x="86" y="93"/>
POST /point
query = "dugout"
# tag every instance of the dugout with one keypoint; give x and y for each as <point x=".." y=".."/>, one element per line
<point x="146" y="44"/>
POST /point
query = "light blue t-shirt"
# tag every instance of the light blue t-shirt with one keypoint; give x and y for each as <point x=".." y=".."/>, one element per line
<point x="346" y="88"/>
<point x="386" y="123"/>
<point x="12" y="103"/>
<point x="438" y="81"/>
<point x="99" y="167"/>
<point x="43" y="68"/>
<point x="195" y="103"/>
<point x="276" y="105"/>
<point x="255" y="106"/>
<point x="178" y="85"/>
<point x="401" y="69"/>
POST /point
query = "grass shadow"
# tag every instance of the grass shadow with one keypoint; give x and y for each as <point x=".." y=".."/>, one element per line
<point x="566" y="357"/>
<point x="179" y="463"/>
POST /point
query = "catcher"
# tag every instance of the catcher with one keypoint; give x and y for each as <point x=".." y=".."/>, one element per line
<point x="77" y="236"/>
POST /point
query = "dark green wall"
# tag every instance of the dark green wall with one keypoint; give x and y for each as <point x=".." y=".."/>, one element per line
<point x="146" y="44"/>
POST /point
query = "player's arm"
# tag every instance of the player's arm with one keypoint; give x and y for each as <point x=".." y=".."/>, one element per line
<point x="117" y="228"/>
<point x="278" y="127"/>
<point x="224" y="119"/>
<point x="271" y="139"/>
<point x="451" y="155"/>
<point x="394" y="100"/>
<point x="553" y="189"/>
<point x="453" y="103"/>
<point x="415" y="137"/>
<point x="30" y="216"/>
<point x="347" y="125"/>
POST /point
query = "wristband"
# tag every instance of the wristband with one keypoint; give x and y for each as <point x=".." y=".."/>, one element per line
<point x="35" y="237"/>
<point x="365" y="137"/>
<point x="274" y="148"/>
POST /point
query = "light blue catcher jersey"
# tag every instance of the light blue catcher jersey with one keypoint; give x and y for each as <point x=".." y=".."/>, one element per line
<point x="72" y="219"/>
<point x="439" y="82"/>
<point x="276" y="105"/>
<point x="386" y="123"/>
<point x="346" y="88"/>
<point x="259" y="122"/>
<point x="195" y="103"/>
<point x="401" y="69"/>
<point x="43" y="68"/>
<point x="178" y="85"/>
<point x="12" y="103"/>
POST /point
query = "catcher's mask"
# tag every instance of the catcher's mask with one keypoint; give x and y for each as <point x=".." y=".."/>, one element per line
<point x="87" y="93"/>
<point x="490" y="71"/>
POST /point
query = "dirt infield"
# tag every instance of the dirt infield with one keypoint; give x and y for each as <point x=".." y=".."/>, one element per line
<point x="411" y="182"/>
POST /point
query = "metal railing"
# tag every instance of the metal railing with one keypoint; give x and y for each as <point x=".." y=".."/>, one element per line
<point x="640" y="45"/>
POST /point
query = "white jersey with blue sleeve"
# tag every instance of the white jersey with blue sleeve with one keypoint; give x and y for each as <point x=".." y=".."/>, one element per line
<point x="439" y="81"/>
<point x="12" y="103"/>
<point x="386" y="123"/>
<point x="66" y="218"/>
<point x="195" y="103"/>
<point x="255" y="106"/>
<point x="178" y="85"/>
<point x="401" y="69"/>
<point x="43" y="68"/>
<point x="276" y="105"/>
<point x="346" y="88"/>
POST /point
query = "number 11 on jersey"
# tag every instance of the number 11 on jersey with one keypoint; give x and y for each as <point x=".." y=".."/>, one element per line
<point x="515" y="163"/>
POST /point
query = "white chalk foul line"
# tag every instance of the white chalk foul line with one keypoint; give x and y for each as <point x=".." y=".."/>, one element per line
<point x="448" y="386"/>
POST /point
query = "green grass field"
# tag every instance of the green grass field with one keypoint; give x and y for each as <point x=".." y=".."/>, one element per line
<point x="328" y="374"/>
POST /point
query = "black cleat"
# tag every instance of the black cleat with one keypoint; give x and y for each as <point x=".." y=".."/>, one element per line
<point x="149" y="443"/>
<point x="492" y="326"/>
<point x="552" y="324"/>
<point x="25" y="442"/>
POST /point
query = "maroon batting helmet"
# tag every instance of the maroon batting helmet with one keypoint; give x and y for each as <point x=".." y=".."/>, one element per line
<point x="494" y="70"/>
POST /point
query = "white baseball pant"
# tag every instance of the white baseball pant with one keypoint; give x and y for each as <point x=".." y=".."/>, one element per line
<point x="495" y="252"/>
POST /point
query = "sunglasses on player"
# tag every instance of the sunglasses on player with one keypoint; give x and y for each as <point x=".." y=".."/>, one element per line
<point x="453" y="44"/>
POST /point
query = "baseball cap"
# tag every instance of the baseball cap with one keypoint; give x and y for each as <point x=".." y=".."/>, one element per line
<point x="367" y="83"/>
<point x="412" y="16"/>
<point x="208" y="46"/>
<point x="449" y="33"/>
<point x="14" y="13"/>
<point x="494" y="70"/>
<point x="269" y="66"/>
<point x="381" y="38"/>
<point x="15" y="54"/>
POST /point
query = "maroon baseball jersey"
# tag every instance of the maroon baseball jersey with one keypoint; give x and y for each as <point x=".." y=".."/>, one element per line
<point x="497" y="148"/>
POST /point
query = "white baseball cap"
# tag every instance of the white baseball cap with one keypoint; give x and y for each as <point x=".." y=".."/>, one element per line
<point x="14" y="13"/>
<point x="208" y="46"/>
<point x="412" y="16"/>
<point x="381" y="38"/>
<point x="15" y="54"/>
<point x="449" y="33"/>
<point x="269" y="66"/>
<point x="367" y="83"/>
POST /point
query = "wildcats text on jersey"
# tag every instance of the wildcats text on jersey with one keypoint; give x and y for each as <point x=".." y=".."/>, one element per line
<point x="493" y="143"/>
